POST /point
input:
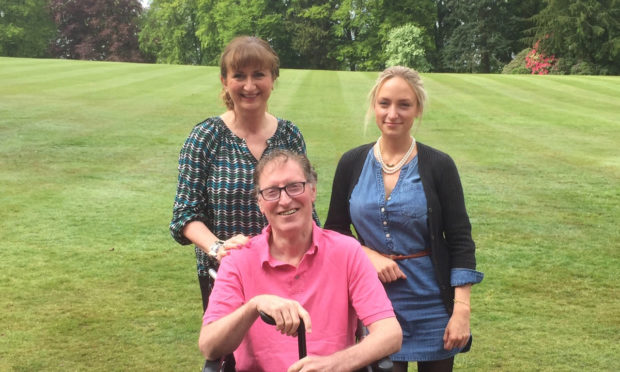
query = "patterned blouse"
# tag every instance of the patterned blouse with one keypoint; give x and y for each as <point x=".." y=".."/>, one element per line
<point x="215" y="183"/>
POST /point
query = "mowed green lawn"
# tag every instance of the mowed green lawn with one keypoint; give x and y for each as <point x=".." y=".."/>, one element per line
<point x="90" y="278"/>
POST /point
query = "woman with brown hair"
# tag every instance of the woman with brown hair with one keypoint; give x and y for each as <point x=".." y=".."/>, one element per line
<point x="215" y="208"/>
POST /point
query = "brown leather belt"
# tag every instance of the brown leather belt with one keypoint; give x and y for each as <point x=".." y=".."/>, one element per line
<point x="396" y="257"/>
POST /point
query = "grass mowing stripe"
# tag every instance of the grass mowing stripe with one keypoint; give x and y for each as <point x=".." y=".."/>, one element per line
<point x="354" y="88"/>
<point x="574" y="91"/>
<point x="592" y="85"/>
<point x="550" y="100"/>
<point x="281" y="103"/>
<point x="534" y="128"/>
<point x="315" y="104"/>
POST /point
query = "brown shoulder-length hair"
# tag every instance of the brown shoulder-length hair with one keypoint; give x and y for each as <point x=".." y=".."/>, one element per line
<point x="244" y="51"/>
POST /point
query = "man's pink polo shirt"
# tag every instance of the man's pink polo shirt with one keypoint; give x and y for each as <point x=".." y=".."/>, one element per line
<point x="335" y="282"/>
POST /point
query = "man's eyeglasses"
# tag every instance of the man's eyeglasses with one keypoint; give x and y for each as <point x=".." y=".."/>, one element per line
<point x="292" y="189"/>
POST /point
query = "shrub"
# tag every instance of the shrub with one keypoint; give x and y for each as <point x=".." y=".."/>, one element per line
<point x="583" y="68"/>
<point x="517" y="65"/>
<point x="562" y="66"/>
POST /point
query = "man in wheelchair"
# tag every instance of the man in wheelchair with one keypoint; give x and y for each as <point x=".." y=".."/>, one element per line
<point x="295" y="270"/>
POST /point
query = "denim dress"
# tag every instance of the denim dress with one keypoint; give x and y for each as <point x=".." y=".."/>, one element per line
<point x="398" y="225"/>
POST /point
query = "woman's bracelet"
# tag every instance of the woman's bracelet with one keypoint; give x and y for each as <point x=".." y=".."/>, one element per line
<point x="215" y="247"/>
<point x="462" y="302"/>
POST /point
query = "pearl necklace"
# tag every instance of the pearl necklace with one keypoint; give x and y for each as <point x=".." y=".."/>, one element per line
<point x="389" y="169"/>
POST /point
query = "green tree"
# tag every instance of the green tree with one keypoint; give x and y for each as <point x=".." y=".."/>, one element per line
<point x="196" y="31"/>
<point x="309" y="25"/>
<point x="423" y="13"/>
<point x="220" y="21"/>
<point x="362" y="29"/>
<point x="584" y="34"/>
<point x="26" y="28"/>
<point x="481" y="38"/>
<point x="354" y="31"/>
<point x="444" y="28"/>
<point x="521" y="13"/>
<point x="405" y="47"/>
<point x="169" y="32"/>
<point x="208" y="32"/>
<point x="321" y="34"/>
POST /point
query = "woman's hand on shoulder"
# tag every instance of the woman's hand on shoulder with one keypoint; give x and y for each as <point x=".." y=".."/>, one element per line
<point x="235" y="242"/>
<point x="387" y="269"/>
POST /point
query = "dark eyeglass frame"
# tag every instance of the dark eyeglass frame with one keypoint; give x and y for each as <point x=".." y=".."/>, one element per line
<point x="285" y="188"/>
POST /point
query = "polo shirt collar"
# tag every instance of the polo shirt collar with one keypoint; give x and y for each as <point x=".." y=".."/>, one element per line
<point x="263" y="242"/>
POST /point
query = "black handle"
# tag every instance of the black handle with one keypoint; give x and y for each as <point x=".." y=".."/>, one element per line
<point x="301" y="333"/>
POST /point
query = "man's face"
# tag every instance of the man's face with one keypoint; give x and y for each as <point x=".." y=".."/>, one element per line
<point x="288" y="214"/>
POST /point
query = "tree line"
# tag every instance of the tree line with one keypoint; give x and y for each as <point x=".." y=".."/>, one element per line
<point x="476" y="36"/>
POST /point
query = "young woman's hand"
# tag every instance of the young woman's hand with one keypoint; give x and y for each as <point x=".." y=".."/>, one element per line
<point x="387" y="269"/>
<point x="457" y="331"/>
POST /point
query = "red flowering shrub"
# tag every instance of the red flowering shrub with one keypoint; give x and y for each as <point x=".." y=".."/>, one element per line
<point x="538" y="62"/>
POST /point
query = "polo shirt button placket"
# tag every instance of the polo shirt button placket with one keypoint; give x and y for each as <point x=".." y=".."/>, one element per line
<point x="297" y="285"/>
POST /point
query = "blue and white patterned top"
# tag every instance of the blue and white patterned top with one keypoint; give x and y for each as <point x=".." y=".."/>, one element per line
<point x="216" y="185"/>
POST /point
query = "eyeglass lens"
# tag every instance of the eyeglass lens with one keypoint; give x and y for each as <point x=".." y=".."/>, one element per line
<point x="292" y="189"/>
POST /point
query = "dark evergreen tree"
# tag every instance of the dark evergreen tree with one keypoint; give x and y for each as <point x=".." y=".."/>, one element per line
<point x="479" y="35"/>
<point x="309" y="25"/>
<point x="584" y="34"/>
<point x="522" y="12"/>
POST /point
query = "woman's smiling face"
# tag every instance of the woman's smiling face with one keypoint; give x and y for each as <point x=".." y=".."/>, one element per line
<point x="249" y="87"/>
<point x="396" y="107"/>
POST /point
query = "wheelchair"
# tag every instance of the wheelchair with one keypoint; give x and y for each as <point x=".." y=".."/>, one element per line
<point x="227" y="364"/>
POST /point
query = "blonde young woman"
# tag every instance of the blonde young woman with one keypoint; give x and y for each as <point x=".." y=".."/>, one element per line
<point x="405" y="201"/>
<point x="215" y="208"/>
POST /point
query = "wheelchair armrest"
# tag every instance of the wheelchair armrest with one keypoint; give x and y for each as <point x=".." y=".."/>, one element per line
<point x="224" y="364"/>
<point x="212" y="366"/>
<point x="385" y="364"/>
